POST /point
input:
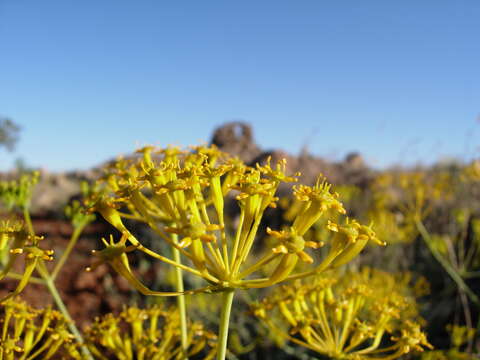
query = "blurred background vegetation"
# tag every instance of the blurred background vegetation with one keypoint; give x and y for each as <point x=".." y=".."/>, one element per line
<point x="429" y="216"/>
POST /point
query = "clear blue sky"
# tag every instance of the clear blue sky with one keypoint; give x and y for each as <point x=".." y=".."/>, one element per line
<point x="398" y="81"/>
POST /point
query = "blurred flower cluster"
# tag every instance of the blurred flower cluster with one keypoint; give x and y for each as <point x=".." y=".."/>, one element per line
<point x="146" y="334"/>
<point x="28" y="333"/>
<point x="367" y="314"/>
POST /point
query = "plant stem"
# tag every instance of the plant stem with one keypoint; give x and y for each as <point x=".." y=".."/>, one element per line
<point x="73" y="241"/>
<point x="227" y="300"/>
<point x="181" y="299"/>
<point x="28" y="221"/>
<point x="445" y="264"/>
<point x="42" y="270"/>
<point x="32" y="279"/>
<point x="49" y="282"/>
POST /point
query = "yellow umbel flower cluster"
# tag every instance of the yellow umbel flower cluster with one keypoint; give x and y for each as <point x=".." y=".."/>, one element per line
<point x="182" y="196"/>
<point x="146" y="334"/>
<point x="357" y="315"/>
<point x="27" y="333"/>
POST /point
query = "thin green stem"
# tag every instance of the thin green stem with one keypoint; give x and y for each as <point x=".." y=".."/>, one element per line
<point x="50" y="284"/>
<point x="180" y="299"/>
<point x="265" y="260"/>
<point x="32" y="279"/>
<point x="445" y="264"/>
<point x="71" y="244"/>
<point x="42" y="270"/>
<point x="236" y="243"/>
<point x="28" y="221"/>
<point x="227" y="300"/>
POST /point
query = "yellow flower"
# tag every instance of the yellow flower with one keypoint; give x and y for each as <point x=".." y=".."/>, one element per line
<point x="183" y="196"/>
<point x="317" y="200"/>
<point x="346" y="316"/>
<point x="152" y="333"/>
<point x="35" y="334"/>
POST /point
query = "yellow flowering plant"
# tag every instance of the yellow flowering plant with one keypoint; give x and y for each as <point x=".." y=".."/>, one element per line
<point x="399" y="199"/>
<point x="17" y="239"/>
<point x="146" y="334"/>
<point x="356" y="315"/>
<point x="31" y="334"/>
<point x="182" y="197"/>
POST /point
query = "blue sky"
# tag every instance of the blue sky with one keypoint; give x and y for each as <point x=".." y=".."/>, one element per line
<point x="398" y="81"/>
